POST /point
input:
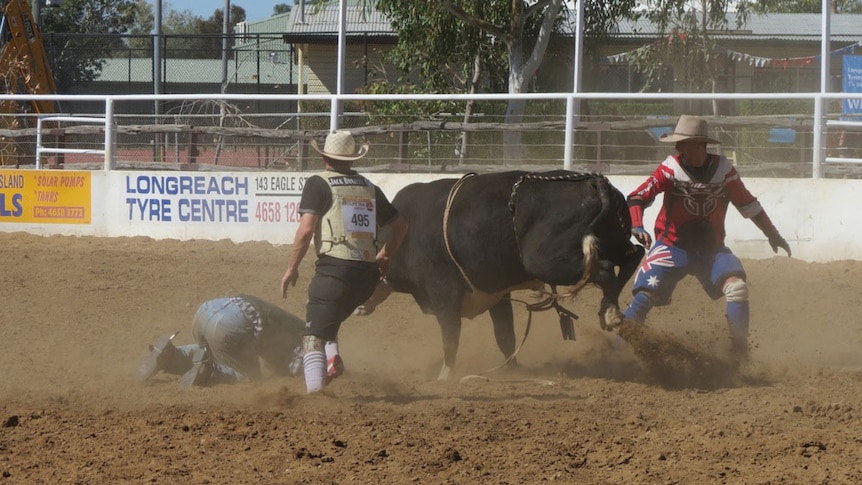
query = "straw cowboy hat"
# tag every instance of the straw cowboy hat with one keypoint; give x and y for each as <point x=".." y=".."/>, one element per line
<point x="340" y="145"/>
<point x="689" y="128"/>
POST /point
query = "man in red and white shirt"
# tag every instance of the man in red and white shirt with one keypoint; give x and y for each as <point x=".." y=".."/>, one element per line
<point x="689" y="230"/>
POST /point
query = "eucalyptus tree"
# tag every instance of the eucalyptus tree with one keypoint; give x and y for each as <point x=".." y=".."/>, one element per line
<point x="79" y="47"/>
<point x="686" y="42"/>
<point x="442" y="38"/>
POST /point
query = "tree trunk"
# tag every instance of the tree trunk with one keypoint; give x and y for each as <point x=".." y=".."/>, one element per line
<point x="468" y="109"/>
<point x="513" y="149"/>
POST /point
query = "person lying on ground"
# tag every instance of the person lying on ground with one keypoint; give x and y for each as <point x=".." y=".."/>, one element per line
<point x="232" y="336"/>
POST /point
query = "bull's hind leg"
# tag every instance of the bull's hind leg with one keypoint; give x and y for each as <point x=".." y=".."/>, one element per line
<point x="450" y="328"/>
<point x="504" y="328"/>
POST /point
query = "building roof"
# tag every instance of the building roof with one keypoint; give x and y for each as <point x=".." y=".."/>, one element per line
<point x="775" y="26"/>
<point x="202" y="70"/>
<point x="275" y="24"/>
<point x="320" y="24"/>
<point x="313" y="22"/>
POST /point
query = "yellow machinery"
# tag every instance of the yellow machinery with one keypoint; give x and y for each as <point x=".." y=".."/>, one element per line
<point x="23" y="69"/>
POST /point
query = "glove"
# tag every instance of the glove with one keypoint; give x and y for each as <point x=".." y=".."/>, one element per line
<point x="644" y="238"/>
<point x="776" y="241"/>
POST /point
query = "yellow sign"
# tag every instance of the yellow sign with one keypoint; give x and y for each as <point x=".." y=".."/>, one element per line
<point x="45" y="196"/>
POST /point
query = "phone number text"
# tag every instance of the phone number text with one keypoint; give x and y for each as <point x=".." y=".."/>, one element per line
<point x="277" y="212"/>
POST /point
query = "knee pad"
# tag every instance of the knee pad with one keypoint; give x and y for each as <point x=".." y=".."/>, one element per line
<point x="735" y="289"/>
<point x="310" y="343"/>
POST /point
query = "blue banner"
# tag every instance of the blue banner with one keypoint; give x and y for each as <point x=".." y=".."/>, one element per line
<point x="852" y="83"/>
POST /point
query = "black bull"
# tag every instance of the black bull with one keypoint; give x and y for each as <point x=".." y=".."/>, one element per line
<point x="508" y="231"/>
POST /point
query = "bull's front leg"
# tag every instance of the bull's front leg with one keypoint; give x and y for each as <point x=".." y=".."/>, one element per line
<point x="450" y="329"/>
<point x="612" y="284"/>
<point x="504" y="328"/>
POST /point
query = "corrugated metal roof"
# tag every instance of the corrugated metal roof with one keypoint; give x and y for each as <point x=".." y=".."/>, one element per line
<point x="324" y="19"/>
<point x="275" y="24"/>
<point x="776" y="26"/>
<point x="196" y="70"/>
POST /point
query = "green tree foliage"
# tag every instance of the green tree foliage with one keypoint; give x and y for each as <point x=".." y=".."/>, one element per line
<point x="280" y="8"/>
<point x="441" y="40"/>
<point x="175" y="22"/>
<point x="435" y="50"/>
<point x="139" y="41"/>
<point x="686" y="48"/>
<point x="144" y="18"/>
<point x="438" y="39"/>
<point x="209" y="44"/>
<point x="78" y="58"/>
<point x="201" y="38"/>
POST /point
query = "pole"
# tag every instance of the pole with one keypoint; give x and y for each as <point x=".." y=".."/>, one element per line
<point x="573" y="104"/>
<point x="224" y="47"/>
<point x="110" y="135"/>
<point x="157" y="75"/>
<point x="342" y="47"/>
<point x="820" y="104"/>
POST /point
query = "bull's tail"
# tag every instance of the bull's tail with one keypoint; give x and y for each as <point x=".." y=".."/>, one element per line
<point x="590" y="243"/>
<point x="590" y="248"/>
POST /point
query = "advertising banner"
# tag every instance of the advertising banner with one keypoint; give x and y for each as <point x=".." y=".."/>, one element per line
<point x="232" y="199"/>
<point x="852" y="83"/>
<point x="45" y="197"/>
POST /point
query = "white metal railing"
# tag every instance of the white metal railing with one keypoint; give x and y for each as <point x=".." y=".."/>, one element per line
<point x="819" y="100"/>
<point x="848" y="124"/>
<point x="107" y="152"/>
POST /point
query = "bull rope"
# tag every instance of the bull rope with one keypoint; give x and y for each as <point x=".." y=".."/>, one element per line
<point x="549" y="302"/>
<point x="546" y="304"/>
<point x="454" y="190"/>
<point x="552" y="299"/>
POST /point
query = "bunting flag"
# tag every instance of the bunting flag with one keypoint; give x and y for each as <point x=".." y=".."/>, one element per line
<point x="756" y="61"/>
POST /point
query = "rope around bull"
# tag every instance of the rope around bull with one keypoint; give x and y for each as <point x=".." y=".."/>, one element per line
<point x="449" y="200"/>
<point x="567" y="177"/>
<point x="552" y="299"/>
<point x="549" y="302"/>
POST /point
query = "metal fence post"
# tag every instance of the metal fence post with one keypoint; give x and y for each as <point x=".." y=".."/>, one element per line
<point x="817" y="148"/>
<point x="110" y="139"/>
<point x="570" y="133"/>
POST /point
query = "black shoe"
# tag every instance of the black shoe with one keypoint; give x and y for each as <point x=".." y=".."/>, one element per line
<point x="202" y="369"/>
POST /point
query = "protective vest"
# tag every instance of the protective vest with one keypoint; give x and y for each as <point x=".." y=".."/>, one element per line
<point x="348" y="230"/>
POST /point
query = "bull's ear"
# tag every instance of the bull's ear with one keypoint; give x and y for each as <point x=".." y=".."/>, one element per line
<point x="150" y="346"/>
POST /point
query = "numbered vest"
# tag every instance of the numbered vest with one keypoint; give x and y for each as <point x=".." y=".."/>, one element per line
<point x="348" y="230"/>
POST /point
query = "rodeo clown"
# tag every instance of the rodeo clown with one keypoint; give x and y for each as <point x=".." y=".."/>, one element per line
<point x="232" y="335"/>
<point x="342" y="211"/>
<point x="689" y="230"/>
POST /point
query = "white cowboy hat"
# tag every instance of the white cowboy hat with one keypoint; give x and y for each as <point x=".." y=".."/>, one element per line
<point x="689" y="128"/>
<point x="340" y="146"/>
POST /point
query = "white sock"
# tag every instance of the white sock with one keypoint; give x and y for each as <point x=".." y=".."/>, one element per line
<point x="314" y="366"/>
<point x="331" y="349"/>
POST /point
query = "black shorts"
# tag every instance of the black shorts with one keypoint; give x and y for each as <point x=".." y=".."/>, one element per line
<point x="336" y="289"/>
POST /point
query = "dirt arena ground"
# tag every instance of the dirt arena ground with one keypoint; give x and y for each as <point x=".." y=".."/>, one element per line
<point x="78" y="313"/>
